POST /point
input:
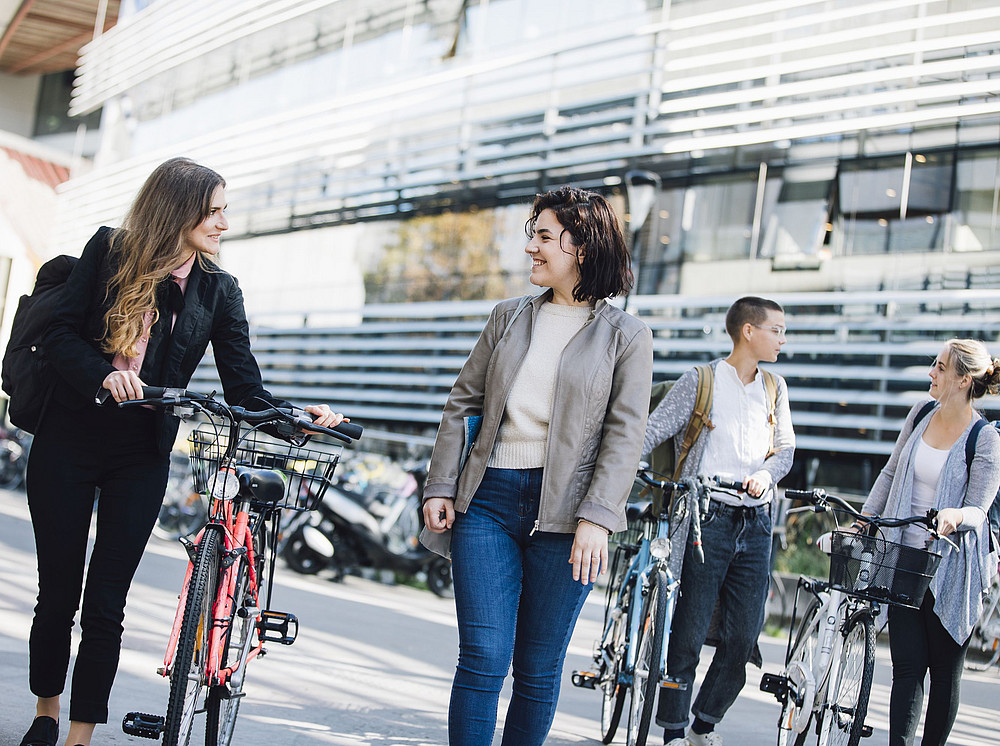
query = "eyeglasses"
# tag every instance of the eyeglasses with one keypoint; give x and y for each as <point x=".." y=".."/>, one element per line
<point x="779" y="331"/>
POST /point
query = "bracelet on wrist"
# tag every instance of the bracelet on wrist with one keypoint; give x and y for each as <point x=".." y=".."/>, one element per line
<point x="584" y="520"/>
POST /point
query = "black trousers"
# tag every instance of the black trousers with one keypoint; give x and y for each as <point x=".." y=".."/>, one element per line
<point x="73" y="454"/>
<point x="919" y="643"/>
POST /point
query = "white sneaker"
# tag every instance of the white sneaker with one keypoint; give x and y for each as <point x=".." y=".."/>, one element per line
<point x="678" y="742"/>
<point x="704" y="739"/>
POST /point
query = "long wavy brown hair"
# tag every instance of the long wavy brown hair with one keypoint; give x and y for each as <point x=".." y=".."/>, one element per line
<point x="150" y="244"/>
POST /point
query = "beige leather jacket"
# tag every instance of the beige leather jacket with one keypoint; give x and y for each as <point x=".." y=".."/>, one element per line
<point x="596" y="426"/>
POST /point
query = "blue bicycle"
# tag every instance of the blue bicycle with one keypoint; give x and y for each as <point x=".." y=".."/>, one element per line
<point x="630" y="658"/>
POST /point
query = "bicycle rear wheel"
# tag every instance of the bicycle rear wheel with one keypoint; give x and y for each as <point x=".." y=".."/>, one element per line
<point x="853" y="685"/>
<point x="648" y="660"/>
<point x="187" y="672"/>
<point x="800" y="691"/>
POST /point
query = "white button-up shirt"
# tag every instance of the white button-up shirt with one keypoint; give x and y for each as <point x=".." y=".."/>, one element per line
<point x="741" y="438"/>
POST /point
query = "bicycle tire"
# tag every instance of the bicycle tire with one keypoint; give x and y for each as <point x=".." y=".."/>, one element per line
<point x="647" y="673"/>
<point x="224" y="701"/>
<point x="798" y="659"/>
<point x="187" y="672"/>
<point x="848" y="700"/>
<point x="613" y="647"/>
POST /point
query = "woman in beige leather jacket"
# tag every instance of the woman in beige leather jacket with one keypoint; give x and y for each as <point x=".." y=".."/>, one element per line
<point x="562" y="385"/>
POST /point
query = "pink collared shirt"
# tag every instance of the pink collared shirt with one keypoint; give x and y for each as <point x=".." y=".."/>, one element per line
<point x="120" y="362"/>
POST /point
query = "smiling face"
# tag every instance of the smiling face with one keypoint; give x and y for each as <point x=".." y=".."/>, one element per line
<point x="945" y="381"/>
<point x="555" y="260"/>
<point x="205" y="236"/>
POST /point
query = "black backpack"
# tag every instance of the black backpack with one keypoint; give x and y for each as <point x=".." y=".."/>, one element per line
<point x="26" y="377"/>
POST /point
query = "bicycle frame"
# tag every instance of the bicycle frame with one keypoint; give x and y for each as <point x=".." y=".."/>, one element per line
<point x="235" y="535"/>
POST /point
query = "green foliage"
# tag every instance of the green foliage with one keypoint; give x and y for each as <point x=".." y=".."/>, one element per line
<point x="451" y="256"/>
<point x="802" y="557"/>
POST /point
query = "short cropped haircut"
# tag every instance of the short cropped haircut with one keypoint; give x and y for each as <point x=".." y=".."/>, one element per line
<point x="748" y="310"/>
<point x="594" y="229"/>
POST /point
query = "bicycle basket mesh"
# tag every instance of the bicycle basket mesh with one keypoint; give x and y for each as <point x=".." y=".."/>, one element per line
<point x="307" y="472"/>
<point x="878" y="570"/>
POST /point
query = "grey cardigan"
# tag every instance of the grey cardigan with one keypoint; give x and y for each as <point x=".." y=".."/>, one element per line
<point x="595" y="427"/>
<point x="964" y="575"/>
<point x="673" y="413"/>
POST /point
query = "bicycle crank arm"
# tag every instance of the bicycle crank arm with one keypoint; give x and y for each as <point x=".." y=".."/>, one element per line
<point x="143" y="725"/>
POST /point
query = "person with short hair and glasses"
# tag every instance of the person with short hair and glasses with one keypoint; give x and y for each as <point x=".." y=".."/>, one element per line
<point x="748" y="439"/>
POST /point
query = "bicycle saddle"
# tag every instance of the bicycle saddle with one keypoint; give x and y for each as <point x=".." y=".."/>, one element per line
<point x="638" y="510"/>
<point x="262" y="485"/>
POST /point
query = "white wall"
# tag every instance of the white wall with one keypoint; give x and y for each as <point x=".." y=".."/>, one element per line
<point x="18" y="95"/>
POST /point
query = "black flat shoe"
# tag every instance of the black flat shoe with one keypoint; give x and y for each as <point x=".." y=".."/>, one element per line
<point x="44" y="731"/>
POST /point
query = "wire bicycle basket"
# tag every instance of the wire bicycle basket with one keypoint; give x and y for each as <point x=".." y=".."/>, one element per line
<point x="874" y="569"/>
<point x="307" y="472"/>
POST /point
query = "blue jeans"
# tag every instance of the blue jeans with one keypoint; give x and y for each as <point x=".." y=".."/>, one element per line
<point x="516" y="601"/>
<point x="737" y="545"/>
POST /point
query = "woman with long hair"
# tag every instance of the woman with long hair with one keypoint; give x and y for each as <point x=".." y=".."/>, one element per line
<point x="140" y="307"/>
<point x="562" y="385"/>
<point x="928" y="469"/>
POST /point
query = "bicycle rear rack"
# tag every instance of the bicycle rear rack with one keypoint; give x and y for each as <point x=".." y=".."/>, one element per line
<point x="278" y="626"/>
<point x="143" y="725"/>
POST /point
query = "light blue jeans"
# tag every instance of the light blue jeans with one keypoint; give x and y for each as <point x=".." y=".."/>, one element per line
<point x="516" y="602"/>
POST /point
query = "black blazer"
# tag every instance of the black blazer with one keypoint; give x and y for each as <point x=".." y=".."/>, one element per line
<point x="213" y="312"/>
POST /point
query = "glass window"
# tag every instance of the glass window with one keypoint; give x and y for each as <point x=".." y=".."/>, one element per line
<point x="717" y="218"/>
<point x="977" y="194"/>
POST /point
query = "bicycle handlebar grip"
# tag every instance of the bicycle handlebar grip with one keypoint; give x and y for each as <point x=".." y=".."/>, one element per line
<point x="728" y="484"/>
<point x="799" y="494"/>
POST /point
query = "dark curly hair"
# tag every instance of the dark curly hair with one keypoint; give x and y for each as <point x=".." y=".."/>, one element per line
<point x="594" y="230"/>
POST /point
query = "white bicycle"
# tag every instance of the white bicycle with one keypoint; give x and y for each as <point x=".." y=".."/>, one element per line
<point x="830" y="659"/>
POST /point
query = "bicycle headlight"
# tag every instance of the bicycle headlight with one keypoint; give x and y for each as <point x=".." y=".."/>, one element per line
<point x="660" y="547"/>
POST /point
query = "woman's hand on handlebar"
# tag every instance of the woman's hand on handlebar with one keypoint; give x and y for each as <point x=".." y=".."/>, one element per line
<point x="948" y="520"/>
<point x="439" y="514"/>
<point x="124" y="385"/>
<point x="324" y="416"/>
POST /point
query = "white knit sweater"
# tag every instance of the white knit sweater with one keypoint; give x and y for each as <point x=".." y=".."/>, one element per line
<point x="520" y="442"/>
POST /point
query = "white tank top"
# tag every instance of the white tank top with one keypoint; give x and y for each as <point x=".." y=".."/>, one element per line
<point x="928" y="463"/>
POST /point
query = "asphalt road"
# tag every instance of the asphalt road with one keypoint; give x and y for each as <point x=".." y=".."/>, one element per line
<point x="372" y="665"/>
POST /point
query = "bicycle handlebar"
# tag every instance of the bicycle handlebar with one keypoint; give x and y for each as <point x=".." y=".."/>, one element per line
<point x="159" y="396"/>
<point x="820" y="500"/>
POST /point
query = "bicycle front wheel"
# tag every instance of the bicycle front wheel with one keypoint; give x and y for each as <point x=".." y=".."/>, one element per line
<point x="800" y="686"/>
<point x="853" y="685"/>
<point x="648" y="660"/>
<point x="187" y="672"/>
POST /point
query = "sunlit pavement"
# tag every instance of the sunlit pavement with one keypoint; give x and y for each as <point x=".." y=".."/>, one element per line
<point x="372" y="665"/>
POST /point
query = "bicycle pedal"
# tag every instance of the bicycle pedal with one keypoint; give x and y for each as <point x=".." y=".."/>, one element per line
<point x="584" y="679"/>
<point x="866" y="731"/>
<point x="775" y="684"/>
<point x="277" y="626"/>
<point x="226" y="693"/>
<point x="143" y="725"/>
<point x="672" y="682"/>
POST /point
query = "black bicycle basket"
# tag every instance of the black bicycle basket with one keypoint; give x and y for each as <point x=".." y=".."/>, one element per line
<point x="307" y="471"/>
<point x="878" y="570"/>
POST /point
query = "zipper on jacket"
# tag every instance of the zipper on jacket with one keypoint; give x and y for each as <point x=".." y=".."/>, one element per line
<point x="533" y="529"/>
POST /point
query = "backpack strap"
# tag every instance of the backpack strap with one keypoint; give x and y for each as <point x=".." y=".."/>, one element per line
<point x="771" y="399"/>
<point x="700" y="416"/>
<point x="924" y="411"/>
<point x="970" y="444"/>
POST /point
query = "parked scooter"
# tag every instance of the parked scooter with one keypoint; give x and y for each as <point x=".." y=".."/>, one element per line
<point x="361" y="526"/>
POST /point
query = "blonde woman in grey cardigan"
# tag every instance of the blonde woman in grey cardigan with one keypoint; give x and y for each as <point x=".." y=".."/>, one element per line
<point x="927" y="469"/>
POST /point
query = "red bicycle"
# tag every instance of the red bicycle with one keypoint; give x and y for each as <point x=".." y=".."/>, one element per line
<point x="224" y="616"/>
